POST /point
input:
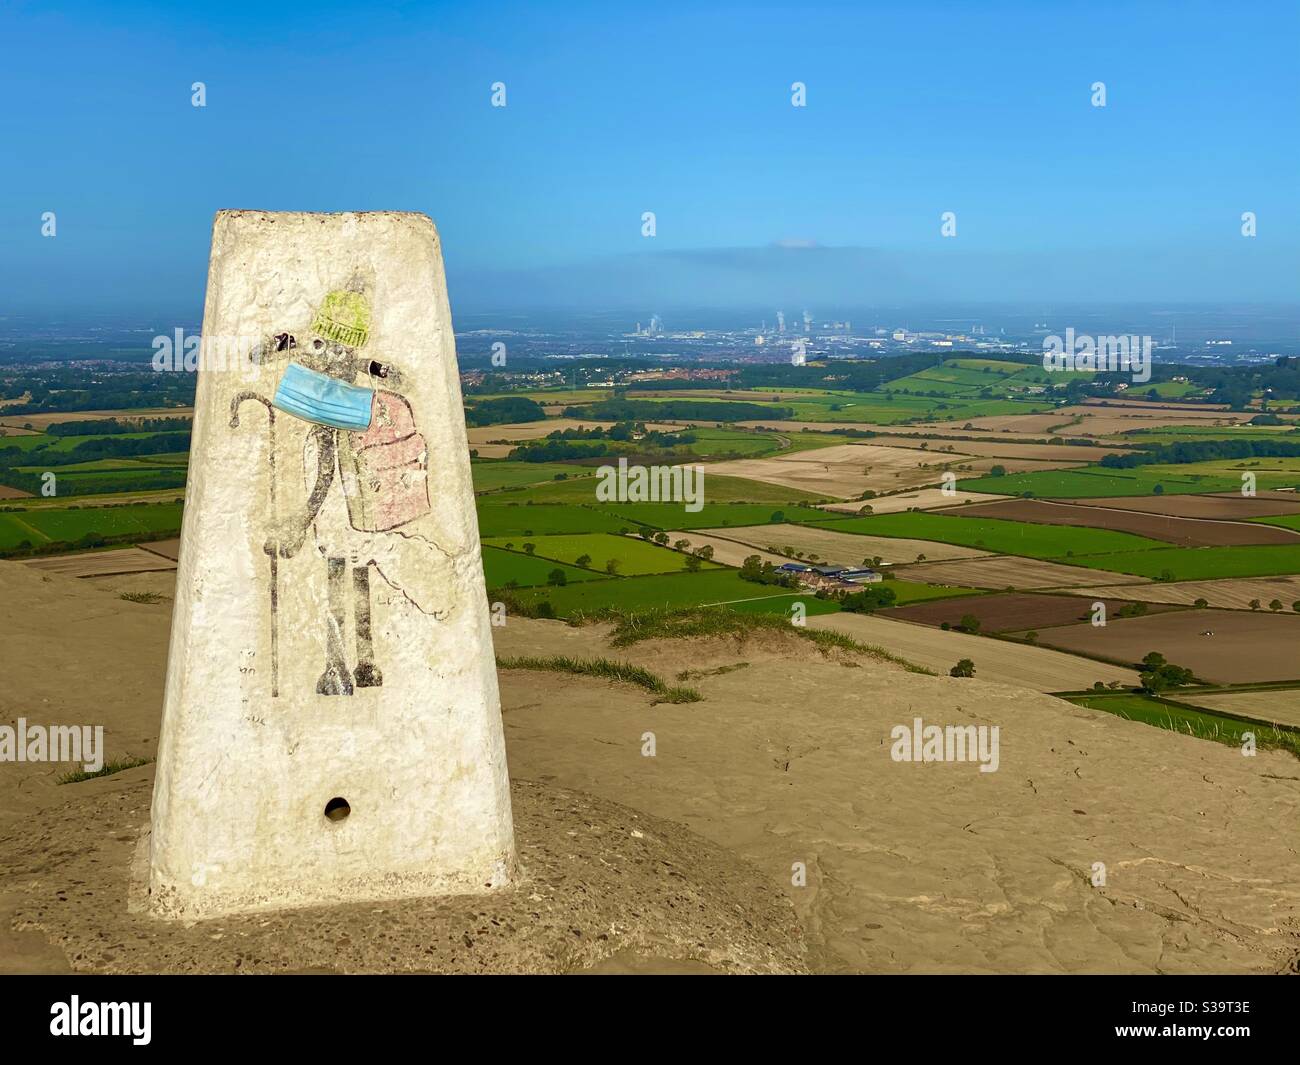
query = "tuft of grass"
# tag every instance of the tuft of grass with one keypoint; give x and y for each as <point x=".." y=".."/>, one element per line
<point x="108" y="769"/>
<point x="704" y="622"/>
<point x="142" y="597"/>
<point x="623" y="672"/>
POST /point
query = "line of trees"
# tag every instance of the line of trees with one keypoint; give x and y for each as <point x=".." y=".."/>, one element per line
<point x="1203" y="451"/>
<point x="115" y="426"/>
<point x="502" y="411"/>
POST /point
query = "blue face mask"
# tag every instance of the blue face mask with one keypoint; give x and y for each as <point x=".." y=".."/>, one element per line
<point x="316" y="397"/>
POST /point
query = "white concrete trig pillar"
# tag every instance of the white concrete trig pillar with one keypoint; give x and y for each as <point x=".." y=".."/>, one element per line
<point x="332" y="728"/>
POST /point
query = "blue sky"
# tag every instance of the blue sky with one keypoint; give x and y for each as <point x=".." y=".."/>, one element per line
<point x="913" y="109"/>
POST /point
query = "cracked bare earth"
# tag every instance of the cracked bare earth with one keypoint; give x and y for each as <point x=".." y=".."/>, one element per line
<point x="785" y="764"/>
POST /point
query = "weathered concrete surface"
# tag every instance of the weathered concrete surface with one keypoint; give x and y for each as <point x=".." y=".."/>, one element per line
<point x="330" y="637"/>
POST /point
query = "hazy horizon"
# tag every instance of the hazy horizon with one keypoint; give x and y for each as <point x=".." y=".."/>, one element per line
<point x="985" y="112"/>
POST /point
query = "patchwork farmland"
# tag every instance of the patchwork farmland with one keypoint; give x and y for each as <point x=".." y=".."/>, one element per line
<point x="974" y="502"/>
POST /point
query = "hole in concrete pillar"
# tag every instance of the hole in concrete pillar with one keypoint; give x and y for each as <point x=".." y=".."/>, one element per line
<point x="337" y="809"/>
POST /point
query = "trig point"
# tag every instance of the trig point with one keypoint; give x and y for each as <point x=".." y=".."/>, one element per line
<point x="332" y="730"/>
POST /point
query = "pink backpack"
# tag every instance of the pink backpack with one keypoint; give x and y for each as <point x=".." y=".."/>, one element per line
<point x="386" y="468"/>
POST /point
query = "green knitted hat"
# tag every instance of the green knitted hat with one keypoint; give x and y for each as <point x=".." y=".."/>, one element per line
<point x="344" y="317"/>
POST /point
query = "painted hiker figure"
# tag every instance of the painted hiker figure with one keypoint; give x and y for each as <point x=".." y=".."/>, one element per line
<point x="365" y="476"/>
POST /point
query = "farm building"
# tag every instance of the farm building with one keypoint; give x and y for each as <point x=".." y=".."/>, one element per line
<point x="860" y="576"/>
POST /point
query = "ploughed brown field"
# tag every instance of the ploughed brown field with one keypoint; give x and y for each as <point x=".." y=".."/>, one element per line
<point x="1228" y="506"/>
<point x="1219" y="646"/>
<point x="1006" y="571"/>
<point x="1011" y="612"/>
<point x="1186" y="532"/>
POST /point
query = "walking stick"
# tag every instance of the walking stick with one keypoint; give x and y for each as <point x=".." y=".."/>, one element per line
<point x="275" y="525"/>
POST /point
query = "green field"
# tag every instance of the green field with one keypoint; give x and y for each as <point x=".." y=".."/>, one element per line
<point x="143" y="495"/>
<point x="565" y="396"/>
<point x="889" y="408"/>
<point x="489" y="476"/>
<point x="1035" y="375"/>
<point x="60" y="443"/>
<point x="1193" y="477"/>
<point x="168" y="458"/>
<point x="1199" y="563"/>
<point x="657" y="592"/>
<point x="995" y="366"/>
<point x="783" y="604"/>
<point x="717" y="489"/>
<point x="1270" y="473"/>
<point x="634" y="557"/>
<point x="709" y="444"/>
<point x="497" y="517"/>
<point x="1166" y="389"/>
<point x="94" y="466"/>
<point x="714" y="515"/>
<point x="997" y="535"/>
<point x="95" y="476"/>
<point x="952" y="379"/>
<point x="966" y="379"/>
<point x="915" y="592"/>
<point x="1171" y="434"/>
<point x="82" y="484"/>
<point x="810" y="441"/>
<point x="520" y="519"/>
<point x="1092" y="481"/>
<point x="501" y="567"/>
<point x="716" y="443"/>
<point x="964" y="409"/>
<point x="861" y="407"/>
<point x="1287" y="521"/>
<point x="150" y="521"/>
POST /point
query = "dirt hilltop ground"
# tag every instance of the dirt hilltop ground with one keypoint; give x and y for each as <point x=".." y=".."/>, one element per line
<point x="786" y="760"/>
